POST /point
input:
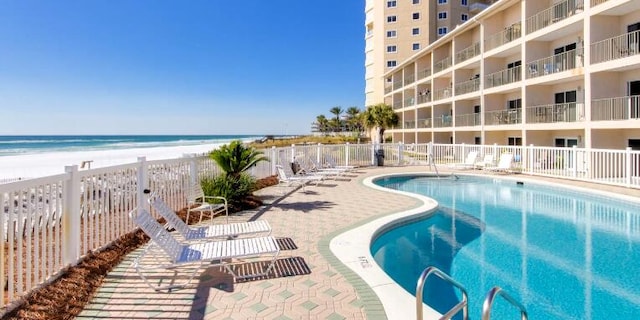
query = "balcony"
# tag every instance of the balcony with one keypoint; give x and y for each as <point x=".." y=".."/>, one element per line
<point x="444" y="121"/>
<point x="505" y="36"/>
<point x="503" y="77"/>
<point x="554" y="14"/>
<point x="387" y="89"/>
<point x="409" y="79"/>
<point x="474" y="8"/>
<point x="397" y="105"/>
<point x="397" y="84"/>
<point x="622" y="46"/>
<point x="468" y="52"/>
<point x="557" y="112"/>
<point x="468" y="120"/>
<point x="424" y="73"/>
<point x="503" y="117"/>
<point x="619" y="108"/>
<point x="442" y="93"/>
<point x="597" y="2"/>
<point x="409" y="125"/>
<point x="442" y="64"/>
<point x="424" y="123"/>
<point x="467" y="86"/>
<point x="554" y="64"/>
<point x="424" y="97"/>
<point x="409" y="102"/>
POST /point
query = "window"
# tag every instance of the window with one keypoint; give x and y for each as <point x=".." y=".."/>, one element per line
<point x="391" y="63"/>
<point x="391" y="4"/>
<point x="416" y="1"/>
<point x="442" y="1"/>
<point x="442" y="15"/>
<point x="391" y="34"/>
<point x="391" y="19"/>
<point x="416" y="46"/>
<point x="415" y="31"/>
<point x="416" y="15"/>
<point x="392" y="48"/>
<point x="514" y="141"/>
<point x="464" y="17"/>
<point x="442" y="31"/>
<point x="464" y="2"/>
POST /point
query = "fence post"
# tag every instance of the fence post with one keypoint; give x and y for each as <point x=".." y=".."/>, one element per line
<point x="71" y="217"/>
<point x="293" y="153"/>
<point x="530" y="159"/>
<point x="274" y="160"/>
<point x="319" y="153"/>
<point x="193" y="168"/>
<point x="574" y="161"/>
<point x="143" y="181"/>
<point x="400" y="152"/>
<point x="495" y="152"/>
<point x="346" y="153"/>
<point x="373" y="154"/>
<point x="463" y="156"/>
<point x="627" y="156"/>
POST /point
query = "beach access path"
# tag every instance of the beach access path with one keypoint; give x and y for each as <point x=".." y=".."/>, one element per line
<point x="309" y="283"/>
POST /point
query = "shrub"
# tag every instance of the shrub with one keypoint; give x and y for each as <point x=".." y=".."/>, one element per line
<point x="234" y="189"/>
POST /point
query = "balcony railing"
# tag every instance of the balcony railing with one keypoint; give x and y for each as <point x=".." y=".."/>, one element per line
<point x="556" y="63"/>
<point x="424" y="73"/>
<point x="409" y="102"/>
<point x="554" y="14"/>
<point x="409" y="125"/>
<point x="502" y="77"/>
<point x="442" y="64"/>
<point x="444" y="121"/>
<point x="397" y="105"/>
<point x="388" y="89"/>
<point x="424" y="97"/>
<point x="468" y="52"/>
<point x="397" y="84"/>
<point x="503" y="117"/>
<point x="409" y="79"/>
<point x="442" y="93"/>
<point x="597" y="2"/>
<point x="468" y="120"/>
<point x="557" y="112"/>
<point x="507" y="35"/>
<point x="619" y="108"/>
<point x="615" y="48"/>
<point x="424" y="123"/>
<point x="467" y="86"/>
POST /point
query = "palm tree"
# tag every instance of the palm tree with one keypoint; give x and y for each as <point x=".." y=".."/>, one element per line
<point x="323" y="123"/>
<point x="236" y="158"/>
<point x="379" y="117"/>
<point x="336" y="121"/>
<point x="353" y="120"/>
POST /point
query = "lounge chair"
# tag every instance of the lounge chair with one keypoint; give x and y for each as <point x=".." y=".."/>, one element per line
<point x="207" y="232"/>
<point x="165" y="252"/>
<point x="316" y="168"/>
<point x="300" y="180"/>
<point x="197" y="201"/>
<point x="331" y="163"/>
<point x="487" y="161"/>
<point x="504" y="165"/>
<point x="469" y="162"/>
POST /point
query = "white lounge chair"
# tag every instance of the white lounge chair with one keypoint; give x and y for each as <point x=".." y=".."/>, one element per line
<point x="469" y="162"/>
<point x="319" y="167"/>
<point x="504" y="164"/>
<point x="198" y="202"/>
<point x="208" y="232"/>
<point x="289" y="179"/>
<point x="487" y="161"/>
<point x="165" y="252"/>
<point x="331" y="163"/>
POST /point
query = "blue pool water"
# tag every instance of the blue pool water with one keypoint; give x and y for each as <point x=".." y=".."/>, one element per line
<point x="563" y="254"/>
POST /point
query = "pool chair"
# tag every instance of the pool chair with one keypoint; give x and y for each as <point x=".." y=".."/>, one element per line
<point x="296" y="180"/>
<point x="487" y="161"/>
<point x="315" y="167"/>
<point x="331" y="163"/>
<point x="469" y="162"/>
<point x="504" y="164"/>
<point x="197" y="201"/>
<point x="166" y="255"/>
<point x="228" y="230"/>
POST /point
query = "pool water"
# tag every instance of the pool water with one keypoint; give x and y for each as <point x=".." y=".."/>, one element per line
<point x="563" y="254"/>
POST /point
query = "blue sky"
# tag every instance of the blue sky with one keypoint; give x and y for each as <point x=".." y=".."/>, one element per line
<point x="177" y="66"/>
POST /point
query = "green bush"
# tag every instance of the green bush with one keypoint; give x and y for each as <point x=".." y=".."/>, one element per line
<point x="234" y="189"/>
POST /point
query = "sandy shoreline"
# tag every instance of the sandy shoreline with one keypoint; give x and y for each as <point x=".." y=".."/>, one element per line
<point x="44" y="164"/>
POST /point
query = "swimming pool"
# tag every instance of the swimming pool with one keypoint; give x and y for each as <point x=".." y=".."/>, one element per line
<point x="564" y="254"/>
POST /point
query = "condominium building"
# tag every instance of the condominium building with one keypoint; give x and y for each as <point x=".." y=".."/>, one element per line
<point x="545" y="72"/>
<point x="398" y="29"/>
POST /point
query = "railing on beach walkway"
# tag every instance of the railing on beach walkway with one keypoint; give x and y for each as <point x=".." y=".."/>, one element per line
<point x="52" y="222"/>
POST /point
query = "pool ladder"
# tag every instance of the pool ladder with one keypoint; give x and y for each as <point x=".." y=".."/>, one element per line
<point x="464" y="304"/>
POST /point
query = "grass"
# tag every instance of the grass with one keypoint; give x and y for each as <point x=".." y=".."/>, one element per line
<point x="285" y="142"/>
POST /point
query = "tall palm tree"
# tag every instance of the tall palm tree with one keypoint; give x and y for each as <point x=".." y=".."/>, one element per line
<point x="236" y="158"/>
<point x="337" y="111"/>
<point x="379" y="117"/>
<point x="353" y="120"/>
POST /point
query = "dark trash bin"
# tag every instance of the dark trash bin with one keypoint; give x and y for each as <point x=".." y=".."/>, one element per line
<point x="379" y="157"/>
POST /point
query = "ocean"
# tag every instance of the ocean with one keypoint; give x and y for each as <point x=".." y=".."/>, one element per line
<point x="23" y="145"/>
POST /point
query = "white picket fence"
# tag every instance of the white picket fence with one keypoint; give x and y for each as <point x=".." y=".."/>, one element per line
<point x="51" y="222"/>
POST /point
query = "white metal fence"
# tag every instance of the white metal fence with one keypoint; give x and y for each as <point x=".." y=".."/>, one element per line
<point x="51" y="222"/>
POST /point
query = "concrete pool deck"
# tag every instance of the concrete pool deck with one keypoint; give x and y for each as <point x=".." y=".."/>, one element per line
<point x="309" y="281"/>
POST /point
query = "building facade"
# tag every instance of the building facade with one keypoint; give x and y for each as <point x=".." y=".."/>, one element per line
<point x="398" y="29"/>
<point x="544" y="72"/>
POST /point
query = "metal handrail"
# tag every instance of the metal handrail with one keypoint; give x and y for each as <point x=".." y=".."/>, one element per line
<point x="462" y="305"/>
<point x="491" y="295"/>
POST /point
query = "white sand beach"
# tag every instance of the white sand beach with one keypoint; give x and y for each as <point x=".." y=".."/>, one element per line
<point x="44" y="164"/>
